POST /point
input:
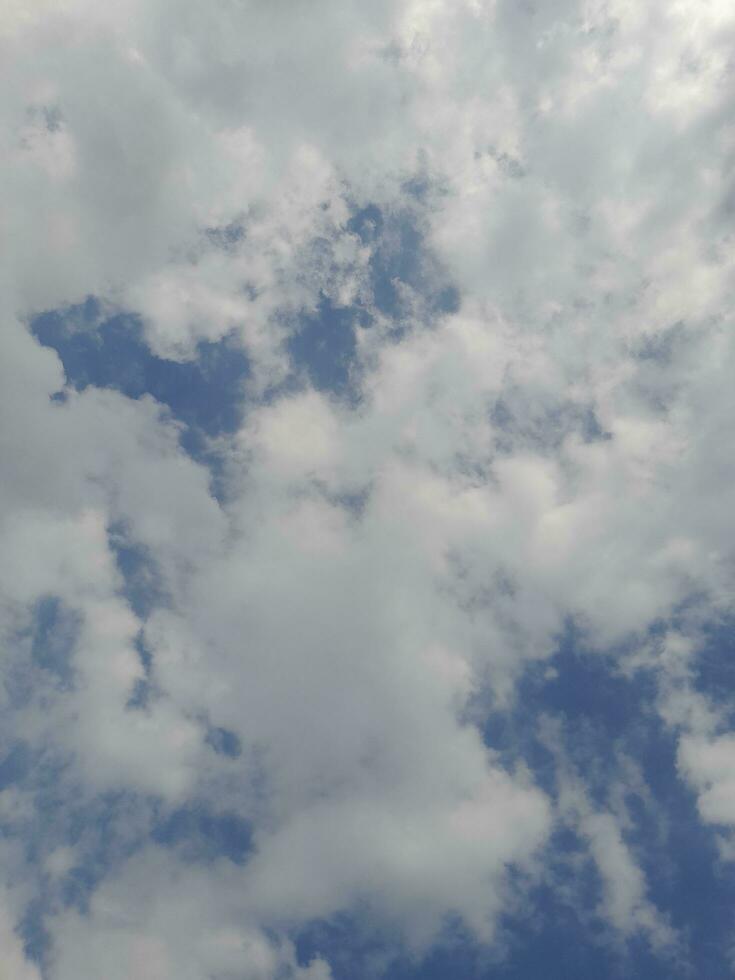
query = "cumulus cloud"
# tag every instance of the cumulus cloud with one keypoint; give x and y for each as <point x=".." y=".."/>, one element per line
<point x="162" y="921"/>
<point x="524" y="216"/>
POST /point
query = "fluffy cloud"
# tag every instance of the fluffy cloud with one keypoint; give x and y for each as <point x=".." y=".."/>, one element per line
<point x="377" y="571"/>
<point x="162" y="922"/>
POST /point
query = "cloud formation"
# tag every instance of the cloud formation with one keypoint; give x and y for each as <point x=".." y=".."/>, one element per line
<point x="475" y="259"/>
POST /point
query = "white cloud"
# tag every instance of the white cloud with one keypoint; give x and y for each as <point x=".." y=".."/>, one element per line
<point x="559" y="446"/>
<point x="159" y="922"/>
<point x="710" y="765"/>
<point x="624" y="904"/>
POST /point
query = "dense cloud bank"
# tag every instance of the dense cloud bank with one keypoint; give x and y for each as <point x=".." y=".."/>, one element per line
<point x="366" y="373"/>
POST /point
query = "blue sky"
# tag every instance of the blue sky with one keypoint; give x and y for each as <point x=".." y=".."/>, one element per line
<point x="365" y="500"/>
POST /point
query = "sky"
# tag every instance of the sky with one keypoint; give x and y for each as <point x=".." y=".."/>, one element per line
<point x="366" y="467"/>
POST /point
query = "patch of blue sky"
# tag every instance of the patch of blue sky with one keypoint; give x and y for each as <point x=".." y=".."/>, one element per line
<point x="548" y="939"/>
<point x="14" y="764"/>
<point x="39" y="656"/>
<point x="55" y="632"/>
<point x="552" y="943"/>
<point x="605" y="717"/>
<point x="206" y="393"/>
<point x="141" y="582"/>
<point x="224" y="742"/>
<point x="323" y="345"/>
<point x="714" y="665"/>
<point x="400" y="256"/>
<point x="144" y="687"/>
<point x="200" y="834"/>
